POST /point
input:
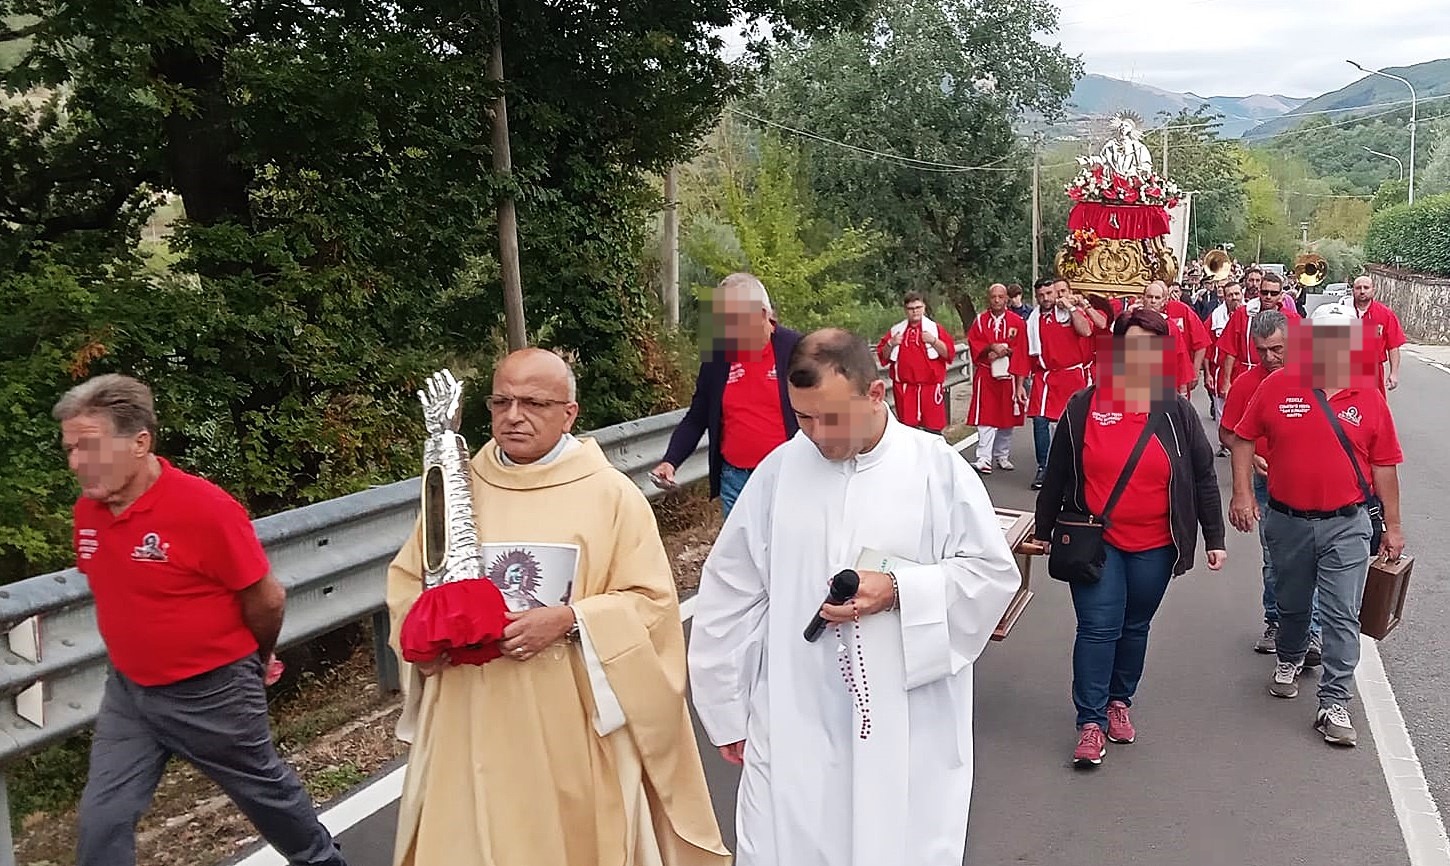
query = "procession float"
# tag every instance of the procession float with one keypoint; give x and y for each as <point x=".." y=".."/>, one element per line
<point x="1119" y="226"/>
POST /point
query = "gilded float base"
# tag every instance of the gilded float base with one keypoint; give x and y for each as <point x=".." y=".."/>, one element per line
<point x="1119" y="267"/>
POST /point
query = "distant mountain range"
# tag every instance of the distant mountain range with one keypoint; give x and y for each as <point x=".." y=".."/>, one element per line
<point x="1098" y="97"/>
<point x="1430" y="79"/>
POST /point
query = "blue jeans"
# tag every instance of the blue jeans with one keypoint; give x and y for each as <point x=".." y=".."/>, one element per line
<point x="1271" y="605"/>
<point x="732" y="481"/>
<point x="1041" y="440"/>
<point x="1113" y="616"/>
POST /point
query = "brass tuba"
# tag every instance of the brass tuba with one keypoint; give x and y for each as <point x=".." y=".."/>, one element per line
<point x="1310" y="269"/>
<point x="1217" y="266"/>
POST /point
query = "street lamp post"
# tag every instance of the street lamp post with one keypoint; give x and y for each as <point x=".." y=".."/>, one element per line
<point x="1412" y="118"/>
<point x="1397" y="160"/>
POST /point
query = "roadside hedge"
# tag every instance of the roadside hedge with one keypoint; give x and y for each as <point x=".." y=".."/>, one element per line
<point x="1412" y="237"/>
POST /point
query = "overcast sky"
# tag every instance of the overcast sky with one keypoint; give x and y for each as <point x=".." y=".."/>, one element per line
<point x="1239" y="47"/>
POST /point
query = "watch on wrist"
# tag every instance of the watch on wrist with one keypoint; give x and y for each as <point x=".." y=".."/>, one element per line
<point x="573" y="633"/>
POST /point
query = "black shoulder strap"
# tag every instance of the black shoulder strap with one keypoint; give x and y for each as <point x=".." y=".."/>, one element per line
<point x="1364" y="487"/>
<point x="1132" y="464"/>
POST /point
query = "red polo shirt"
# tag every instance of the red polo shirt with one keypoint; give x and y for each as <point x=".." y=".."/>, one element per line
<point x="165" y="574"/>
<point x="1239" y="394"/>
<point x="1140" y="519"/>
<point x="751" y="423"/>
<point x="1382" y="332"/>
<point x="1308" y="469"/>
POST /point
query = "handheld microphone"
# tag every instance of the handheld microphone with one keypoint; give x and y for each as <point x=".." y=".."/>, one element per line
<point x="843" y="589"/>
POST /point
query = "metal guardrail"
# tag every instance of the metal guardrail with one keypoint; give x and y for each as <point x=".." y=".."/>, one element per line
<point x="332" y="558"/>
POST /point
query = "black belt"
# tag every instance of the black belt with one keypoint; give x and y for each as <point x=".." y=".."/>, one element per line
<point x="1343" y="511"/>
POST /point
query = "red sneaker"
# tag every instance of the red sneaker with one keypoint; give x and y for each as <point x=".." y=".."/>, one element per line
<point x="1090" y="747"/>
<point x="1120" y="727"/>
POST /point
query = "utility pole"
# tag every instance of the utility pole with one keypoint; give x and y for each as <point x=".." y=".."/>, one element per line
<point x="508" y="223"/>
<point x="1036" y="208"/>
<point x="670" y="282"/>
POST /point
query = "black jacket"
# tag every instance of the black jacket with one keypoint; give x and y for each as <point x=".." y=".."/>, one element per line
<point x="706" y="407"/>
<point x="1193" y="498"/>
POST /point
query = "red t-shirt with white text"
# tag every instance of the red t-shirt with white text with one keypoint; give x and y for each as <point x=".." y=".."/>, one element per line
<point x="1140" y="519"/>
<point x="165" y="574"/>
<point x="751" y="423"/>
<point x="1239" y="394"/>
<point x="1308" y="469"/>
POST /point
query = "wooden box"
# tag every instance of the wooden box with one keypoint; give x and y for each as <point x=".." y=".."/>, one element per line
<point x="1017" y="527"/>
<point x="1384" y="596"/>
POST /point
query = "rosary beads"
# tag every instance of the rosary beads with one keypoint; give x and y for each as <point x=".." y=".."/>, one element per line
<point x="861" y="695"/>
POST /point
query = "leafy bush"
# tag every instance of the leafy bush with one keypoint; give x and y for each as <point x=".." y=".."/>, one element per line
<point x="1414" y="237"/>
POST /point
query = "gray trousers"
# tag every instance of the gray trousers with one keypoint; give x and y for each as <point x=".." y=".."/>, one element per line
<point x="217" y="722"/>
<point x="1331" y="556"/>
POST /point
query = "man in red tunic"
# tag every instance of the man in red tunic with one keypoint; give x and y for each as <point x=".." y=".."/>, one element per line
<point x="997" y="342"/>
<point x="1233" y="298"/>
<point x="1383" y="335"/>
<point x="1238" y="349"/>
<point x="1064" y="343"/>
<point x="917" y="351"/>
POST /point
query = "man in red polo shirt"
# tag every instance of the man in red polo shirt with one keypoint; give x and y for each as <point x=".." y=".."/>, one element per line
<point x="1318" y="524"/>
<point x="1237" y="346"/>
<point x="1271" y="341"/>
<point x="188" y="610"/>
<point x="1383" y="335"/>
<point x="741" y="398"/>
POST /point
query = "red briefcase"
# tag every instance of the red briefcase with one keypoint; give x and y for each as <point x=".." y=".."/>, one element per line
<point x="1384" y="595"/>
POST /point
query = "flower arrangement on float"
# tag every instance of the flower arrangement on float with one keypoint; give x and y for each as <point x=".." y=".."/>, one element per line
<point x="1099" y="184"/>
<point x="1081" y="242"/>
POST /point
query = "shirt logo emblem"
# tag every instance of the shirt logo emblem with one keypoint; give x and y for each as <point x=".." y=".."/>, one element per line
<point x="772" y="375"/>
<point x="151" y="549"/>
<point x="88" y="544"/>
<point x="1107" y="419"/>
<point x="1351" y="415"/>
<point x="737" y="372"/>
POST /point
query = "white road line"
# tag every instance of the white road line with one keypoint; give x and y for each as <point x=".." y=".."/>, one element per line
<point x="1419" y="817"/>
<point x="343" y="816"/>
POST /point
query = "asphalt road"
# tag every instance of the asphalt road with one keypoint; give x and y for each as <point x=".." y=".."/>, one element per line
<point x="1222" y="774"/>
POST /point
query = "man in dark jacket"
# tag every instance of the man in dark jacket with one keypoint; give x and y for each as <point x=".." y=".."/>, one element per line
<point x="740" y="398"/>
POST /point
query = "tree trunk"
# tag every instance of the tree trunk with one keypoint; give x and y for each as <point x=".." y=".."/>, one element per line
<point x="200" y="143"/>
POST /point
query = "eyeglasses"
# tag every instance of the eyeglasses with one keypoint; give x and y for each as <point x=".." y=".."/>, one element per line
<point x="534" y="405"/>
<point x="1271" y="294"/>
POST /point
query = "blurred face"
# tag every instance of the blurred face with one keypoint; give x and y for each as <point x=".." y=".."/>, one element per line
<point x="1272" y="349"/>
<point x="104" y="462"/>
<point x="1155" y="297"/>
<point x="840" y="421"/>
<point x="1363" y="291"/>
<point x="1233" y="296"/>
<point x="1253" y="281"/>
<point x="997" y="298"/>
<point x="740" y="322"/>
<point x="1139" y="365"/>
<point x="1271" y="296"/>
<point x="530" y="407"/>
<point x="915" y="311"/>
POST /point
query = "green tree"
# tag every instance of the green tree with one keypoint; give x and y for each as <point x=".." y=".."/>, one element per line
<point x="1344" y="218"/>
<point x="1266" y="235"/>
<point x="1212" y="169"/>
<point x="768" y="211"/>
<point x="954" y="206"/>
<point x="334" y="163"/>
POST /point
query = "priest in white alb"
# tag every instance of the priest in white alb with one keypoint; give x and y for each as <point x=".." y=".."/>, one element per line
<point x="856" y="749"/>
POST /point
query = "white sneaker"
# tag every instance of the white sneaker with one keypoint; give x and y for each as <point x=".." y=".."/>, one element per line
<point x="983" y="466"/>
<point x="1004" y="463"/>
<point x="1333" y="722"/>
<point x="1286" y="680"/>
